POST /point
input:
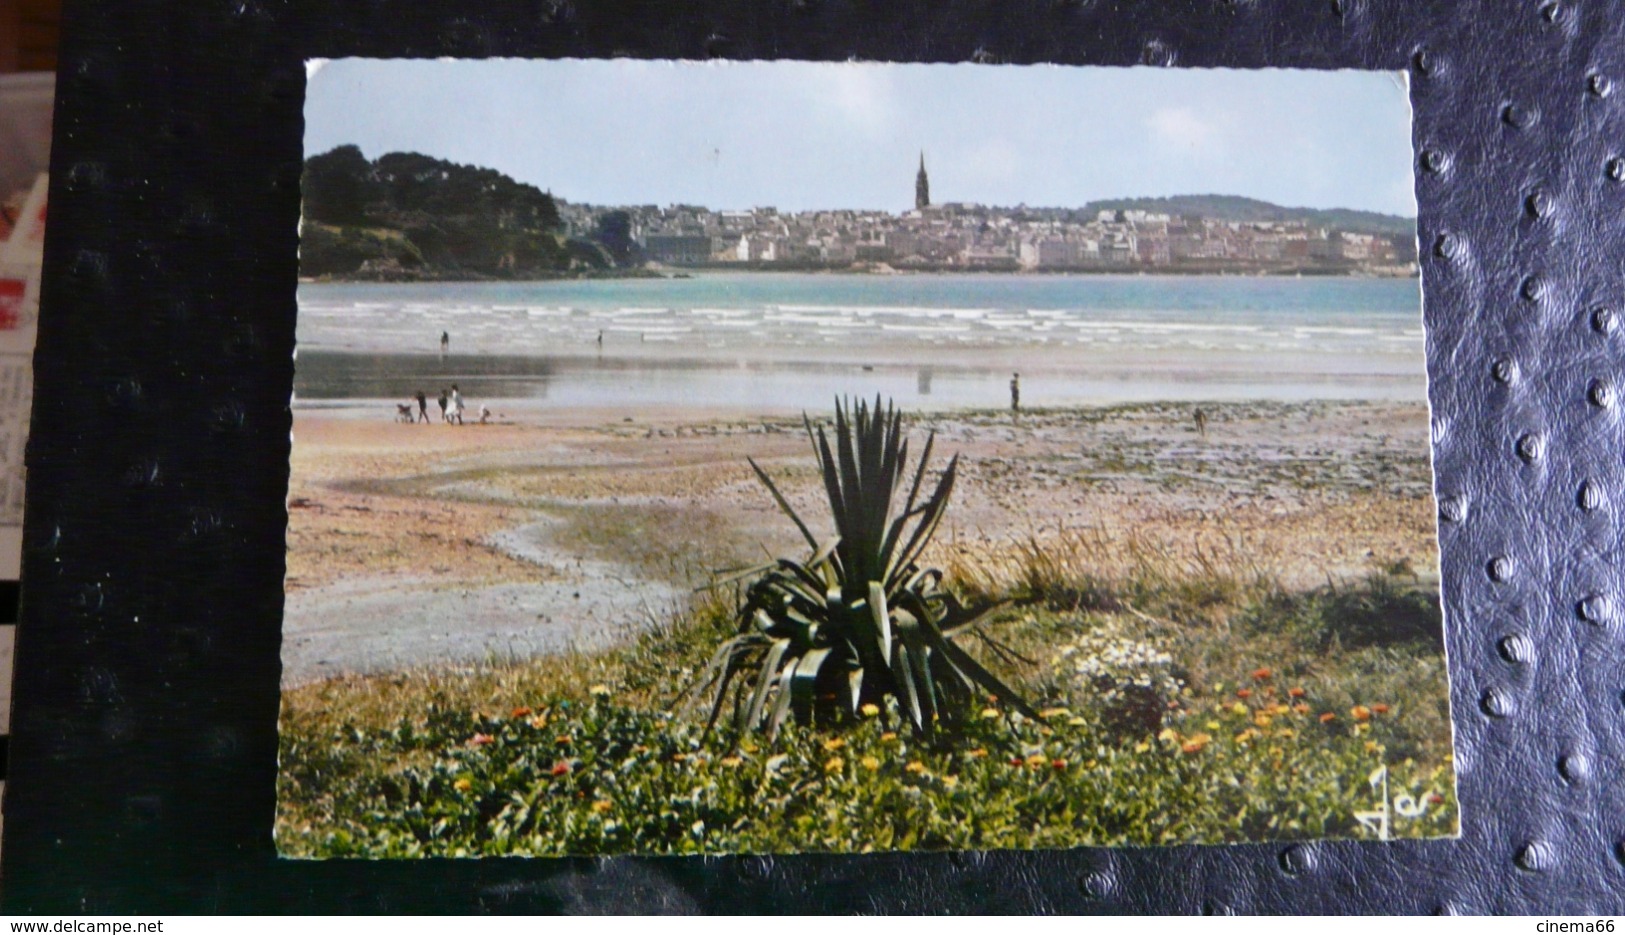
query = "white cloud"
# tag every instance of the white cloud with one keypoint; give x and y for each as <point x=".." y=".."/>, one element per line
<point x="1183" y="128"/>
<point x="859" y="96"/>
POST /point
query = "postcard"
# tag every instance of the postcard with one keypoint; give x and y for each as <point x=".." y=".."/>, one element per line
<point x="766" y="457"/>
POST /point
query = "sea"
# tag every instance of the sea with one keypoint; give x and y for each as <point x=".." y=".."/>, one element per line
<point x="774" y="342"/>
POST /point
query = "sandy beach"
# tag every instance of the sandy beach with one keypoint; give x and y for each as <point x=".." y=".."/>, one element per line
<point x="415" y="545"/>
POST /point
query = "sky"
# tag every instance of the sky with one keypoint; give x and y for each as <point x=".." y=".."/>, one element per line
<point x="800" y="136"/>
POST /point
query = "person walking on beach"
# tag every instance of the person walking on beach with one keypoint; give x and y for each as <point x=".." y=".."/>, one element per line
<point x="600" y="341"/>
<point x="456" y="411"/>
<point x="1015" y="393"/>
<point x="1201" y="422"/>
<point x="423" y="406"/>
<point x="443" y="416"/>
<point x="445" y="342"/>
<point x="485" y="413"/>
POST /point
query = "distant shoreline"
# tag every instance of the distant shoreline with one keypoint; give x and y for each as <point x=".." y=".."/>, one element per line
<point x="881" y="269"/>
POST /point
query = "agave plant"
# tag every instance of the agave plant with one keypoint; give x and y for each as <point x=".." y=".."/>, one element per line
<point x="858" y="622"/>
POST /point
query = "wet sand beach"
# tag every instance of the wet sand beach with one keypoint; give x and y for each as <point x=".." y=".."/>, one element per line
<point x="556" y="528"/>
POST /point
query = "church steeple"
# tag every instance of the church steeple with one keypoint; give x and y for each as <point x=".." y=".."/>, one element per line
<point x="922" y="185"/>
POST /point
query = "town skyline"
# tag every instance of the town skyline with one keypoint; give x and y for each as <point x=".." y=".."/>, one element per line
<point x="803" y="136"/>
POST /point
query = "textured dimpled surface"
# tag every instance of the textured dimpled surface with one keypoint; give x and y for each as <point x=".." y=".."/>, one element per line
<point x="144" y="746"/>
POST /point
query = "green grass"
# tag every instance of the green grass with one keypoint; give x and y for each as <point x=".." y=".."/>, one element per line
<point x="525" y="758"/>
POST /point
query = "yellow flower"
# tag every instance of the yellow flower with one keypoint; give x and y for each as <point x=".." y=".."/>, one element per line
<point x="1286" y="733"/>
<point x="462" y="785"/>
<point x="748" y="747"/>
<point x="602" y="805"/>
<point x="1238" y="708"/>
<point x="1168" y="734"/>
<point x="833" y="744"/>
<point x="1141" y="747"/>
<point x="989" y="714"/>
<point x="1213" y="725"/>
<point x="1048" y="713"/>
<point x="950" y="781"/>
<point x="1262" y="719"/>
<point x="1076" y="721"/>
<point x="869" y="710"/>
<point x="539" y="721"/>
<point x="915" y="766"/>
<point x="730" y="761"/>
<point x="599" y="691"/>
<point x="870" y="763"/>
<point x="1039" y="759"/>
<point x="1371" y="746"/>
<point x="888" y="735"/>
<point x="977" y="754"/>
<point x="834" y="765"/>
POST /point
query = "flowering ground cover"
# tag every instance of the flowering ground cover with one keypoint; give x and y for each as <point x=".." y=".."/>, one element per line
<point x="1178" y="705"/>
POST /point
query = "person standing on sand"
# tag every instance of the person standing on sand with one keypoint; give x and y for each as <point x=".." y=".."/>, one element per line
<point x="443" y="416"/>
<point x="445" y="342"/>
<point x="485" y="413"/>
<point x="1015" y="393"/>
<point x="423" y="406"/>
<point x="456" y="411"/>
<point x="1201" y="422"/>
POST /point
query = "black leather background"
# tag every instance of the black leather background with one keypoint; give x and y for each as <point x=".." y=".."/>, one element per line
<point x="144" y="745"/>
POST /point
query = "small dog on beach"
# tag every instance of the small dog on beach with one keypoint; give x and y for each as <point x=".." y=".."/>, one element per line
<point x="403" y="413"/>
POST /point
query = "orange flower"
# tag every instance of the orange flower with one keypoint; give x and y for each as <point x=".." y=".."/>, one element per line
<point x="602" y="805"/>
<point x="1435" y="798"/>
<point x="463" y="785"/>
<point x="1327" y="718"/>
<point x="1301" y="708"/>
<point x="1058" y="764"/>
<point x="480" y="740"/>
<point x="1017" y="761"/>
<point x="1244" y="693"/>
<point x="1261" y="675"/>
<point x="1296" y="692"/>
<point x="1196" y="744"/>
<point x="1379" y="709"/>
<point x="560" y="768"/>
<point x="1360" y="712"/>
<point x="520" y="712"/>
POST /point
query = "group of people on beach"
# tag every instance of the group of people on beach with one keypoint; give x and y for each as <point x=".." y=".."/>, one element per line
<point x="451" y="408"/>
<point x="451" y="401"/>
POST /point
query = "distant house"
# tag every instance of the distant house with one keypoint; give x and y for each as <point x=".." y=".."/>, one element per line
<point x="677" y="249"/>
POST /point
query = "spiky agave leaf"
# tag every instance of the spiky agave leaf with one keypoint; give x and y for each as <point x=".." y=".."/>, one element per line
<point x="858" y="620"/>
